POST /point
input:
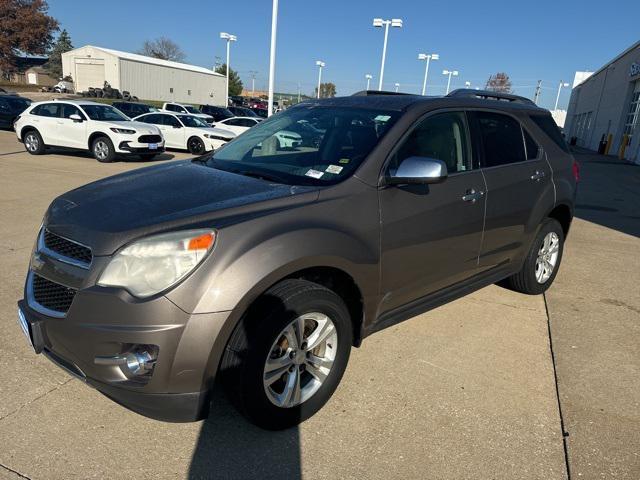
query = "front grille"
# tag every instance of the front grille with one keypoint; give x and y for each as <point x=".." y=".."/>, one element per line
<point x="67" y="248"/>
<point x="149" y="139"/>
<point x="51" y="295"/>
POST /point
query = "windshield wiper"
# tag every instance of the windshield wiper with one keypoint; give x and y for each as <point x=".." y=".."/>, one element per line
<point x="261" y="175"/>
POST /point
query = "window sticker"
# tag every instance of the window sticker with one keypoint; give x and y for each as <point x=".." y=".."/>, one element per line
<point x="314" y="173"/>
<point x="382" y="118"/>
<point x="336" y="169"/>
<point x="343" y="160"/>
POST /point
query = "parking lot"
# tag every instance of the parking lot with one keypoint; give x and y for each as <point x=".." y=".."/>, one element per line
<point x="495" y="385"/>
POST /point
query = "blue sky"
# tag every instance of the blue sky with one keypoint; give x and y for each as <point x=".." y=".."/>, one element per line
<point x="540" y="40"/>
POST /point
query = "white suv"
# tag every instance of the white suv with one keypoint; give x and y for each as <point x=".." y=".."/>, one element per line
<point x="84" y="125"/>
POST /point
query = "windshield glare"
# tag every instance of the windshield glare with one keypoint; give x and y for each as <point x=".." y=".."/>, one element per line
<point x="104" y="113"/>
<point x="306" y="145"/>
<point x="190" y="121"/>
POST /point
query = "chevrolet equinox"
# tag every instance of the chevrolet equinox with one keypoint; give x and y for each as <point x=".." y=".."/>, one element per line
<point x="261" y="264"/>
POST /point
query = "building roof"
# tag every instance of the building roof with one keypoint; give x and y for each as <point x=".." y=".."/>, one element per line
<point x="154" y="61"/>
<point x="606" y="65"/>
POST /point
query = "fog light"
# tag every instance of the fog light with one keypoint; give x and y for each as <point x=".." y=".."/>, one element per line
<point x="137" y="362"/>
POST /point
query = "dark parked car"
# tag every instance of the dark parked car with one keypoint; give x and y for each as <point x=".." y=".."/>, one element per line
<point x="262" y="265"/>
<point x="133" y="109"/>
<point x="242" y="112"/>
<point x="261" y="112"/>
<point x="218" y="113"/>
<point x="11" y="106"/>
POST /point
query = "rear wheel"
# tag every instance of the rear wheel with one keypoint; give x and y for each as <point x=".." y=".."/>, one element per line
<point x="195" y="146"/>
<point x="542" y="262"/>
<point x="103" y="150"/>
<point x="286" y="358"/>
<point x="33" y="142"/>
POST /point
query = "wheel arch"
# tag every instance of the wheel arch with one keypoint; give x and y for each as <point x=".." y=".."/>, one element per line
<point x="26" y="129"/>
<point x="563" y="214"/>
<point x="93" y="137"/>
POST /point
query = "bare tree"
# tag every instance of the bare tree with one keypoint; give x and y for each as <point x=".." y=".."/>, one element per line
<point x="163" y="48"/>
<point x="499" y="82"/>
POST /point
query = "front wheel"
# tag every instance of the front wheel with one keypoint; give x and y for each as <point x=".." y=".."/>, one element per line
<point x="542" y="262"/>
<point x="196" y="146"/>
<point x="287" y="356"/>
<point x="102" y="149"/>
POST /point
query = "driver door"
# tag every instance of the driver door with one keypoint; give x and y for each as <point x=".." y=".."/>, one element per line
<point x="432" y="234"/>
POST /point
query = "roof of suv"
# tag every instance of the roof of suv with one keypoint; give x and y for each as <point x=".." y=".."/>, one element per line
<point x="402" y="101"/>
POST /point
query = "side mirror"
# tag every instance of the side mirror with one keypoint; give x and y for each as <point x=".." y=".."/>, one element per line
<point x="75" y="117"/>
<point x="418" y="171"/>
<point x="177" y="126"/>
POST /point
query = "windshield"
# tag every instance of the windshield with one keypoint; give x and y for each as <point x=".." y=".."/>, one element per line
<point x="306" y="145"/>
<point x="191" y="121"/>
<point x="104" y="113"/>
<point x="191" y="109"/>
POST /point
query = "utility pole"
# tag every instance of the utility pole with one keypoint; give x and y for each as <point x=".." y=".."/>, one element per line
<point x="253" y="81"/>
<point x="298" y="92"/>
<point x="536" y="96"/>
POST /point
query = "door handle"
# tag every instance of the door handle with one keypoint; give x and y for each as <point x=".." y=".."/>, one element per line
<point x="539" y="175"/>
<point x="472" y="195"/>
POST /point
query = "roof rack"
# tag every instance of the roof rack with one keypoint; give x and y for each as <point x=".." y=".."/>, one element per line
<point x="486" y="94"/>
<point x="365" y="93"/>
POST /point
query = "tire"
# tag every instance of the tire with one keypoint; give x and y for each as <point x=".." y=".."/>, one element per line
<point x="259" y="342"/>
<point x="195" y="145"/>
<point x="147" y="157"/>
<point x="33" y="142"/>
<point x="102" y="150"/>
<point x="532" y="279"/>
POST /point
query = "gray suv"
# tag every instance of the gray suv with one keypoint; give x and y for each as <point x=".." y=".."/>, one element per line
<point x="259" y="266"/>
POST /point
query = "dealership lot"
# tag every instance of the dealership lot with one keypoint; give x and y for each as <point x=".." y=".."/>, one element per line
<point x="464" y="391"/>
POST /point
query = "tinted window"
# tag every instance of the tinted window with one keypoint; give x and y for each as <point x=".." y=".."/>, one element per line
<point x="171" y="121"/>
<point x="16" y="104"/>
<point x="531" y="146"/>
<point x="546" y="123"/>
<point x="47" y="110"/>
<point x="4" y="105"/>
<point x="501" y="139"/>
<point x="442" y="137"/>
<point x="173" y="108"/>
<point x="68" y="110"/>
<point x="191" y="121"/>
<point x="234" y="122"/>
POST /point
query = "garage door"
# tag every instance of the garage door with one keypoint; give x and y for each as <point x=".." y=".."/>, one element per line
<point x="89" y="75"/>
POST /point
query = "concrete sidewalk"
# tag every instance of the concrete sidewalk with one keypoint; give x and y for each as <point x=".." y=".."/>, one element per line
<point x="465" y="391"/>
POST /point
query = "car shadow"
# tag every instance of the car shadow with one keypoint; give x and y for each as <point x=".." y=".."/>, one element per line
<point x="608" y="192"/>
<point x="161" y="157"/>
<point x="229" y="447"/>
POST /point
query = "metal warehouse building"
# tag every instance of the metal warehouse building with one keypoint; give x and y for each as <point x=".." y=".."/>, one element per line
<point x="145" y="77"/>
<point x="607" y="106"/>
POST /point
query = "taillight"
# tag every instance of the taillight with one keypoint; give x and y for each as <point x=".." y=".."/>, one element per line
<point x="576" y="170"/>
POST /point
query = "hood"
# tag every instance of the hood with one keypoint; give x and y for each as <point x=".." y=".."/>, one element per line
<point x="139" y="127"/>
<point x="111" y="212"/>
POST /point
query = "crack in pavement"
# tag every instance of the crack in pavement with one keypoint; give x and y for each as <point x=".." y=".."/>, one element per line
<point x="563" y="431"/>
<point x="36" y="399"/>
<point x="14" y="471"/>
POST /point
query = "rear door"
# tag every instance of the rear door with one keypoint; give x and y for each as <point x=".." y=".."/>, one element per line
<point x="45" y="119"/>
<point x="517" y="177"/>
<point x="431" y="234"/>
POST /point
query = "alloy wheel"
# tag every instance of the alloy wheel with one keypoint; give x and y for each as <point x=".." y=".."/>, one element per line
<point x="101" y="149"/>
<point x="31" y="142"/>
<point x="547" y="257"/>
<point x="300" y="359"/>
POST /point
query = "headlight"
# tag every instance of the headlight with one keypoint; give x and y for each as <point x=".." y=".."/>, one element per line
<point x="123" y="130"/>
<point x="153" y="264"/>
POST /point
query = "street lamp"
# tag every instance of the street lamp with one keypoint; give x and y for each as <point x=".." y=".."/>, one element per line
<point x="562" y="84"/>
<point x="320" y="64"/>
<point x="427" y="57"/>
<point x="378" y="22"/>
<point x="397" y="87"/>
<point x="449" y="72"/>
<point x="368" y="76"/>
<point x="229" y="38"/>
<point x="272" y="55"/>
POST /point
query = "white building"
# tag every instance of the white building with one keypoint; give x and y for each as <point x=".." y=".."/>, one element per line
<point x="145" y="77"/>
<point x="606" y="105"/>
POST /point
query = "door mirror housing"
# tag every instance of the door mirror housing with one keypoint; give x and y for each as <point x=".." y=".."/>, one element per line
<point x="418" y="171"/>
<point x="75" y="117"/>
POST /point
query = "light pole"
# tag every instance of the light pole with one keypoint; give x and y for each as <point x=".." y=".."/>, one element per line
<point x="229" y="38"/>
<point x="449" y="72"/>
<point x="368" y="76"/>
<point x="427" y="57"/>
<point x="378" y="22"/>
<point x="562" y="84"/>
<point x="397" y="87"/>
<point x="272" y="55"/>
<point x="467" y="84"/>
<point x="320" y="64"/>
<point x="253" y="81"/>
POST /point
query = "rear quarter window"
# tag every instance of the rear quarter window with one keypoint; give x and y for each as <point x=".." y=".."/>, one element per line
<point x="548" y="126"/>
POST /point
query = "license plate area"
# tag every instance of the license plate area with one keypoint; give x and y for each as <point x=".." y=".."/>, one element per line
<point x="153" y="146"/>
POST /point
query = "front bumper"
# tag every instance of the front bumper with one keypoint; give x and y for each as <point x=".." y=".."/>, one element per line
<point x="105" y="323"/>
<point x="135" y="148"/>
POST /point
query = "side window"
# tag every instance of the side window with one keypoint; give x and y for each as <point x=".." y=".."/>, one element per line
<point x="531" y="146"/>
<point x="68" y="110"/>
<point x="172" y="108"/>
<point x="245" y="122"/>
<point x="443" y="137"/>
<point x="4" y="105"/>
<point x="47" y="110"/>
<point x="234" y="122"/>
<point x="546" y="124"/>
<point x="501" y="139"/>
<point x="171" y="121"/>
<point x="154" y="119"/>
